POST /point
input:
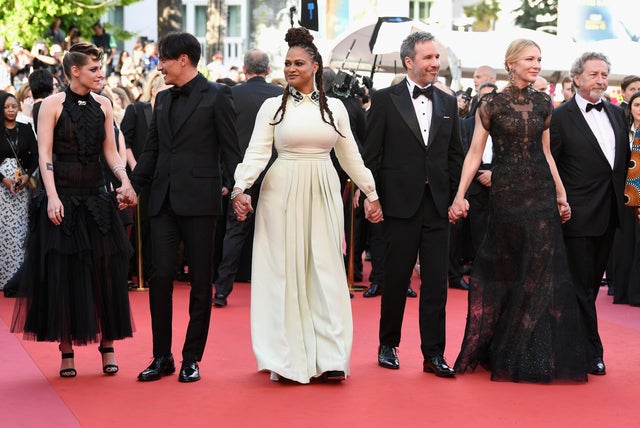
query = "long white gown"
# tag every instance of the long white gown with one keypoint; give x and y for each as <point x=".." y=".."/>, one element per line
<point x="301" y="323"/>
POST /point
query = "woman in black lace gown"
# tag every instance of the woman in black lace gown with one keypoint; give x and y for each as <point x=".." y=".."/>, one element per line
<point x="74" y="289"/>
<point x="523" y="321"/>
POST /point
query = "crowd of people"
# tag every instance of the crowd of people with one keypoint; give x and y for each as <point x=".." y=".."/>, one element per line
<point x="491" y="192"/>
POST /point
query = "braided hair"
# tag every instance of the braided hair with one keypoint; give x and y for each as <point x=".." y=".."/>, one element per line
<point x="300" y="37"/>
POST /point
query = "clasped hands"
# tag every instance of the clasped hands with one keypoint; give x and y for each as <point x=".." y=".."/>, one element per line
<point x="458" y="209"/>
<point x="126" y="196"/>
<point x="242" y="206"/>
<point x="372" y="210"/>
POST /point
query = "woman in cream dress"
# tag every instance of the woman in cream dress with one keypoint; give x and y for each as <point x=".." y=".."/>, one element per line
<point x="301" y="324"/>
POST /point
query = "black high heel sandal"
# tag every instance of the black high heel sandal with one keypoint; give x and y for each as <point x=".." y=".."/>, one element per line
<point x="109" y="369"/>
<point x="69" y="372"/>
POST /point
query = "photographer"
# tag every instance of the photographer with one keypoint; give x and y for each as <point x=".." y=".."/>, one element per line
<point x="464" y="98"/>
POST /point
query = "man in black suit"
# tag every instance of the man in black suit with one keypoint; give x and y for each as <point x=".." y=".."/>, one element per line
<point x="247" y="100"/>
<point x="413" y="149"/>
<point x="590" y="145"/>
<point x="192" y="133"/>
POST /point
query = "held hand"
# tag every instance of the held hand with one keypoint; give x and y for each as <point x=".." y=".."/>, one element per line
<point x="242" y="206"/>
<point x="126" y="196"/>
<point x="373" y="211"/>
<point x="564" y="210"/>
<point x="55" y="210"/>
<point x="224" y="192"/>
<point x="458" y="209"/>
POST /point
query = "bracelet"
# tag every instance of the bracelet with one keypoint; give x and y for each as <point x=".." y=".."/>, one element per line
<point x="117" y="168"/>
<point x="236" y="192"/>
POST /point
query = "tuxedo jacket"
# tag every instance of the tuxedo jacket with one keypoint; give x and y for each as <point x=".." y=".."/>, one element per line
<point x="398" y="157"/>
<point x="184" y="163"/>
<point x="135" y="125"/>
<point x="594" y="189"/>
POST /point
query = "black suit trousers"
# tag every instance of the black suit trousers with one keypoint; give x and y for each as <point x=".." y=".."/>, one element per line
<point x="588" y="256"/>
<point x="197" y="233"/>
<point x="426" y="234"/>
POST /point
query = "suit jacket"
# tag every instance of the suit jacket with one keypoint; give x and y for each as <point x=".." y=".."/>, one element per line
<point x="591" y="184"/>
<point x="185" y="163"/>
<point x="398" y="157"/>
<point x="247" y="100"/>
<point x="135" y="125"/>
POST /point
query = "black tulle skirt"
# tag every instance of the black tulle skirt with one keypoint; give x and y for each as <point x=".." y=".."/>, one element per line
<point x="74" y="283"/>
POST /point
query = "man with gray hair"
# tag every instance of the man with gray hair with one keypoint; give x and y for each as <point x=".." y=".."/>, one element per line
<point x="590" y="145"/>
<point x="413" y="149"/>
<point x="247" y="99"/>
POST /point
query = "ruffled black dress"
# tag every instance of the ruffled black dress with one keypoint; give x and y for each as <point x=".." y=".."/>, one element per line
<point x="523" y="322"/>
<point x="74" y="287"/>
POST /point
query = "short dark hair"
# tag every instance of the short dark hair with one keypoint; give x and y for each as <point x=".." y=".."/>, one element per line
<point x="175" y="44"/>
<point x="41" y="83"/>
<point x="627" y="80"/>
<point x="408" y="47"/>
<point x="488" y="85"/>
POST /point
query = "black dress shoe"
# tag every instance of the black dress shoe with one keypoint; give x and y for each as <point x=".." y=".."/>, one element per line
<point x="597" y="367"/>
<point x="461" y="285"/>
<point x="388" y="357"/>
<point x="220" y="301"/>
<point x="334" y="376"/>
<point x="159" y="366"/>
<point x="438" y="366"/>
<point x="373" y="290"/>
<point x="189" y="372"/>
<point x="411" y="293"/>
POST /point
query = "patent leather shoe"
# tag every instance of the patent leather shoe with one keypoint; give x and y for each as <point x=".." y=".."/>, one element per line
<point x="373" y="290"/>
<point x="438" y="366"/>
<point x="460" y="285"/>
<point x="411" y="293"/>
<point x="220" y="301"/>
<point x="597" y="367"/>
<point x="388" y="357"/>
<point x="189" y="372"/>
<point x="160" y="366"/>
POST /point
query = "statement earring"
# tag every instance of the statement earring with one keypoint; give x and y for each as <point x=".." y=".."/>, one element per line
<point x="510" y="74"/>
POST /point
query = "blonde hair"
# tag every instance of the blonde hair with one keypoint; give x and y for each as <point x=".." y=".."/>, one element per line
<point x="515" y="49"/>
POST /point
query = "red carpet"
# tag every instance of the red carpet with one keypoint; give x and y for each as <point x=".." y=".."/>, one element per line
<point x="233" y="394"/>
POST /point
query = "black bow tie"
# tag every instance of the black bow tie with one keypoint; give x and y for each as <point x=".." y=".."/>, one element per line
<point x="597" y="106"/>
<point x="177" y="91"/>
<point x="427" y="92"/>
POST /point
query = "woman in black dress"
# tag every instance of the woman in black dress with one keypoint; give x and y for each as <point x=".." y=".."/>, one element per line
<point x="74" y="288"/>
<point x="523" y="321"/>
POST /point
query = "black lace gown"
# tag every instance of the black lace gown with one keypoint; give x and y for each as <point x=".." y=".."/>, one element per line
<point x="74" y="287"/>
<point x="523" y="322"/>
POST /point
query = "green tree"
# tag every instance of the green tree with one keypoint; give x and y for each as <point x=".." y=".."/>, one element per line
<point x="27" y="20"/>
<point x="486" y="14"/>
<point x="535" y="13"/>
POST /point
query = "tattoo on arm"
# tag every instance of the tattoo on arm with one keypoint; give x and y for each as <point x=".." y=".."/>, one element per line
<point x="49" y="166"/>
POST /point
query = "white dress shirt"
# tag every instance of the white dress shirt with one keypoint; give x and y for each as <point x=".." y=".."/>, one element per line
<point x="423" y="107"/>
<point x="601" y="127"/>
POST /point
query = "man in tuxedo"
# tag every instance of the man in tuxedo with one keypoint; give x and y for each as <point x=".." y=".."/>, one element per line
<point x="590" y="145"/>
<point x="414" y="151"/>
<point x="247" y="100"/>
<point x="192" y="133"/>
